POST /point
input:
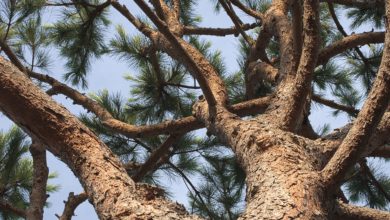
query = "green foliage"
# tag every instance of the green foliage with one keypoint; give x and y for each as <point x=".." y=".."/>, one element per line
<point x="16" y="171"/>
<point x="366" y="69"/>
<point x="30" y="42"/>
<point x="373" y="16"/>
<point x="221" y="188"/>
<point x="79" y="35"/>
<point x="187" y="15"/>
<point x="363" y="189"/>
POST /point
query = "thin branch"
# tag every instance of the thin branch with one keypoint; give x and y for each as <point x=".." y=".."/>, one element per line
<point x="186" y="179"/>
<point x="330" y="103"/>
<point x="248" y="10"/>
<point x="71" y="204"/>
<point x="155" y="157"/>
<point x="188" y="30"/>
<point x="351" y="212"/>
<point x="355" y="143"/>
<point x="142" y="27"/>
<point x="175" y="126"/>
<point x="182" y="86"/>
<point x="342" y="31"/>
<point x="41" y="171"/>
<point x="211" y="84"/>
<point x="236" y="20"/>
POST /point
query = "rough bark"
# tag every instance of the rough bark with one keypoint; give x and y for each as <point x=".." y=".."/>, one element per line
<point x="282" y="169"/>
<point x="354" y="144"/>
<point x="111" y="191"/>
<point x="41" y="171"/>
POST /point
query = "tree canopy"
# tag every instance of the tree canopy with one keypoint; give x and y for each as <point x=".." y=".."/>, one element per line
<point x="258" y="156"/>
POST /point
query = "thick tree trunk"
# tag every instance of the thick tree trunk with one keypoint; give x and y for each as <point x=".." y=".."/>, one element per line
<point x="283" y="179"/>
<point x="109" y="188"/>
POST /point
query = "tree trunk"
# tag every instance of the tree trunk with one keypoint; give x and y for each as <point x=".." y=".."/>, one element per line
<point x="283" y="178"/>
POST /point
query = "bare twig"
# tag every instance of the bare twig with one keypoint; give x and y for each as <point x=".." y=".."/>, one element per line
<point x="71" y="204"/>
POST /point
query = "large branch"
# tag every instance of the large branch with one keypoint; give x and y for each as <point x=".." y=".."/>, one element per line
<point x="351" y="212"/>
<point x="354" y="145"/>
<point x="88" y="157"/>
<point x="349" y="42"/>
<point x="292" y="93"/>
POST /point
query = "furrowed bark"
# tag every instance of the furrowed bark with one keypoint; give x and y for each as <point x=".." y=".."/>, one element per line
<point x="355" y="143"/>
<point x="291" y="99"/>
<point x="282" y="178"/>
<point x="38" y="193"/>
<point x="109" y="188"/>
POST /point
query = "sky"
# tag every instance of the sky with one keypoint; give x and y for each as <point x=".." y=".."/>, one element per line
<point x="107" y="73"/>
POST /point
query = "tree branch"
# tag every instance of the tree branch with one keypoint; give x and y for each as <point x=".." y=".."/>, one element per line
<point x="293" y="92"/>
<point x="71" y="205"/>
<point x="211" y="84"/>
<point x="236" y="20"/>
<point x="351" y="212"/>
<point x="41" y="171"/>
<point x="350" y="110"/>
<point x="155" y="157"/>
<point x="355" y="143"/>
<point x="188" y="30"/>
<point x="248" y="10"/>
<point x="87" y="156"/>
<point x="349" y="42"/>
<point x="342" y="31"/>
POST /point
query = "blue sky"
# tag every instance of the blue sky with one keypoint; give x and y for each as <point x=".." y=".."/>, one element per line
<point x="108" y="72"/>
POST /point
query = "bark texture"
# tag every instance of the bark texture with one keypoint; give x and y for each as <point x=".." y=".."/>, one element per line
<point x="111" y="191"/>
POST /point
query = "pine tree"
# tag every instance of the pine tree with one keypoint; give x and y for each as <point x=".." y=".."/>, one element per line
<point x="258" y="158"/>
